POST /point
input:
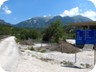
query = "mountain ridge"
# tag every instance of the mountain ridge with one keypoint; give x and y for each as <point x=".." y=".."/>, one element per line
<point x="3" y="22"/>
<point x="43" y="22"/>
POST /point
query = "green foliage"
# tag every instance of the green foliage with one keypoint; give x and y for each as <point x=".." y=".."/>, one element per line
<point x="32" y="49"/>
<point x="69" y="32"/>
<point x="46" y="59"/>
<point x="54" y="32"/>
<point x="43" y="50"/>
<point x="20" y="33"/>
<point x="85" y="65"/>
<point x="67" y="63"/>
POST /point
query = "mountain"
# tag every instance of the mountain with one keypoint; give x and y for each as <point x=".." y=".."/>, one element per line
<point x="3" y="22"/>
<point x="67" y="20"/>
<point x="43" y="22"/>
<point x="36" y="22"/>
<point x="80" y="18"/>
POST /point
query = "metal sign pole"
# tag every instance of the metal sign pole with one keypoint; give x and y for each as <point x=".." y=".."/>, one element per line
<point x="94" y="55"/>
<point x="75" y="56"/>
<point x="75" y="48"/>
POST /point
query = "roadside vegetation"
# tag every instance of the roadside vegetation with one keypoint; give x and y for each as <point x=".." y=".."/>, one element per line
<point x="54" y="33"/>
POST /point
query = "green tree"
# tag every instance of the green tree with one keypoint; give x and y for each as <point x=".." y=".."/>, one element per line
<point x="54" y="32"/>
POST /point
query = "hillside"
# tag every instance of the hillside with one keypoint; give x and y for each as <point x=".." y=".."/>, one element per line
<point x="3" y="22"/>
<point x="43" y="22"/>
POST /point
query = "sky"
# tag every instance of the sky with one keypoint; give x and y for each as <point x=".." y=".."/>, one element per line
<point x="15" y="11"/>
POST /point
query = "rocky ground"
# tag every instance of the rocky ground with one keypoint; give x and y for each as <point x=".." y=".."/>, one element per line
<point x="22" y="58"/>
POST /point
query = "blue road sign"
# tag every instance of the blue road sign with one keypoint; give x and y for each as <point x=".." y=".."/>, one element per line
<point x="79" y="37"/>
<point x="86" y="37"/>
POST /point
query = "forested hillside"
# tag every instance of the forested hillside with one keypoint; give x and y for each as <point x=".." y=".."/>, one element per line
<point x="55" y="32"/>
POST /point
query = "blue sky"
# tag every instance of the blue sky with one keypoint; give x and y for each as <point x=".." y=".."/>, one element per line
<point x="14" y="11"/>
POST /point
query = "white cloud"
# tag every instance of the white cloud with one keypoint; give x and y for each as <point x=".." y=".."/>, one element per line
<point x="47" y="15"/>
<point x="29" y="18"/>
<point x="72" y="12"/>
<point x="94" y="2"/>
<point x="90" y="14"/>
<point x="76" y="11"/>
<point x="2" y="2"/>
<point x="6" y="9"/>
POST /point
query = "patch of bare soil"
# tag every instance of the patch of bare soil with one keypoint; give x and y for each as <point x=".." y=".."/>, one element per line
<point x="64" y="47"/>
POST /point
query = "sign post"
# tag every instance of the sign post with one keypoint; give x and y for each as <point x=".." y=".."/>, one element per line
<point x="86" y="37"/>
<point x="94" y="57"/>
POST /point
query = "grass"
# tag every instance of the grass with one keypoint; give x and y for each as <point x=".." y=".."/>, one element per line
<point x="46" y="59"/>
<point x="32" y="49"/>
<point x="85" y="65"/>
<point x="43" y="50"/>
<point x="67" y="63"/>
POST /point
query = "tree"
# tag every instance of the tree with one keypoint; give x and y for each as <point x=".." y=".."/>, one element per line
<point x="54" y="32"/>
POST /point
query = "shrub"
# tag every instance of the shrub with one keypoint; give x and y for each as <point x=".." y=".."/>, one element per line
<point x="85" y="65"/>
<point x="32" y="49"/>
<point x="67" y="63"/>
<point x="43" y="50"/>
<point x="46" y="59"/>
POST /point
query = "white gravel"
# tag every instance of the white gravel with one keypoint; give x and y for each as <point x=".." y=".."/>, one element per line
<point x="71" y="41"/>
<point x="32" y="64"/>
<point x="29" y="61"/>
<point x="37" y="45"/>
<point x="9" y="54"/>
